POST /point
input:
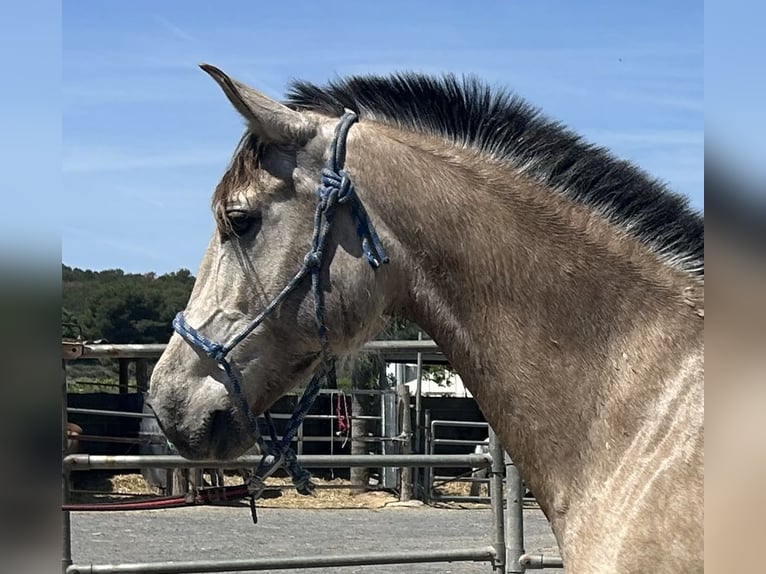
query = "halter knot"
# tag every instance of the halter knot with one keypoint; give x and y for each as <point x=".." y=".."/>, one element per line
<point x="300" y="476"/>
<point x="313" y="260"/>
<point x="345" y="187"/>
<point x="337" y="181"/>
<point x="218" y="354"/>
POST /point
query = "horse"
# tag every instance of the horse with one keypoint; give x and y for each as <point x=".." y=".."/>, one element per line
<point x="564" y="285"/>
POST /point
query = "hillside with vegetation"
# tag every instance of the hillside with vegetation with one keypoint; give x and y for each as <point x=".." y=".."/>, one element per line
<point x="118" y="307"/>
<point x="121" y="307"/>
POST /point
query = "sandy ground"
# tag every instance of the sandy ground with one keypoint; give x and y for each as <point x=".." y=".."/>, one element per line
<point x="279" y="494"/>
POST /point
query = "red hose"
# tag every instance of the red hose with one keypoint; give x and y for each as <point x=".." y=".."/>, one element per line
<point x="207" y="496"/>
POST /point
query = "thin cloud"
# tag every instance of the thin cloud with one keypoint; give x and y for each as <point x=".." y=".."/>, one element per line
<point x="687" y="104"/>
<point x="644" y="138"/>
<point x="126" y="245"/>
<point x="173" y="29"/>
<point x="84" y="96"/>
<point x="161" y="195"/>
<point x="93" y="159"/>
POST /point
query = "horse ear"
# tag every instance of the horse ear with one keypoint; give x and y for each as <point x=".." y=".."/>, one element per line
<point x="268" y="119"/>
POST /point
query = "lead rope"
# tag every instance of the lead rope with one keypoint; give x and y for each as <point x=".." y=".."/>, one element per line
<point x="344" y="420"/>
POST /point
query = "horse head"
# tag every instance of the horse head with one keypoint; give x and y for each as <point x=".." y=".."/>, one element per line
<point x="283" y="284"/>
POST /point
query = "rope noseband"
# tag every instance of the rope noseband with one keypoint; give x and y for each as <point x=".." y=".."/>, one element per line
<point x="335" y="188"/>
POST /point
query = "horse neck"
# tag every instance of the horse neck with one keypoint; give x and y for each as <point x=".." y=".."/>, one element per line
<point x="556" y="322"/>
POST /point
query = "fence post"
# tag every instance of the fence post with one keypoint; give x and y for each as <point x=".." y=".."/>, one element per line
<point x="405" y="473"/>
<point x="389" y="476"/>
<point x="123" y="380"/>
<point x="418" y="473"/>
<point x="179" y="483"/>
<point x="360" y="477"/>
<point x="142" y="375"/>
<point x="514" y="518"/>
<point x="66" y="527"/>
<point x="496" y="500"/>
<point x="428" y="475"/>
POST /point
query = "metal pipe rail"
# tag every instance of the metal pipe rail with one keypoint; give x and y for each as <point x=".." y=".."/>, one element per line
<point x="483" y="554"/>
<point x="369" y="439"/>
<point x="540" y="561"/>
<point x="393" y="351"/>
<point x="457" y="442"/>
<point x="153" y="439"/>
<point x="75" y="462"/>
<point x="471" y="424"/>
<point x="128" y="414"/>
<point x="109" y="413"/>
<point x="327" y="417"/>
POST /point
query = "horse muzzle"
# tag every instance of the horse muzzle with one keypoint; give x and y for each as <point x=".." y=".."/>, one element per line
<point x="206" y="425"/>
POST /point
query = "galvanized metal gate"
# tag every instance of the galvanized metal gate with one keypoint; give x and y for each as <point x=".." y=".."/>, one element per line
<point x="504" y="553"/>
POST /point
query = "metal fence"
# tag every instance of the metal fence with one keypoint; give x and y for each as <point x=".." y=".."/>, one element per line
<point x="150" y="440"/>
<point x="493" y="553"/>
<point x="473" y="476"/>
<point x="505" y="552"/>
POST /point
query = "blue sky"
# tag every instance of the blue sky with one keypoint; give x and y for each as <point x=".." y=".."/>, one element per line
<point x="147" y="135"/>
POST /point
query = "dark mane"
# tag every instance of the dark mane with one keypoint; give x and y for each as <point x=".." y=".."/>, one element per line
<point x="502" y="125"/>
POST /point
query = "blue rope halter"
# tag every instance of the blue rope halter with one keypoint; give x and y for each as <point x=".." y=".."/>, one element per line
<point x="335" y="188"/>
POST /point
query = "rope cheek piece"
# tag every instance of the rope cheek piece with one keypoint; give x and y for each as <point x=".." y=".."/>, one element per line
<point x="335" y="188"/>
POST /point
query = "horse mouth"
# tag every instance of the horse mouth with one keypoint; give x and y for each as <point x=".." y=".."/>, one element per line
<point x="221" y="428"/>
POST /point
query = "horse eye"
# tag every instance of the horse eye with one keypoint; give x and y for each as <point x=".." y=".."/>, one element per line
<point x="242" y="222"/>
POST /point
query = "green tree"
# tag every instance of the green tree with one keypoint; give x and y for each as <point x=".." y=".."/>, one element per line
<point x="123" y="307"/>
